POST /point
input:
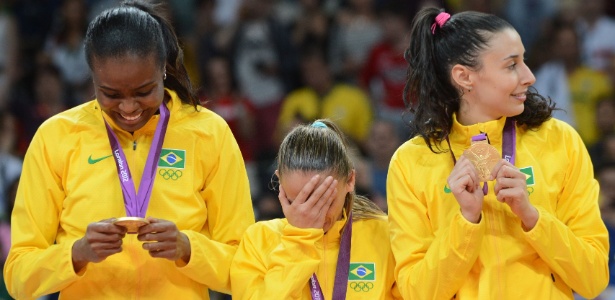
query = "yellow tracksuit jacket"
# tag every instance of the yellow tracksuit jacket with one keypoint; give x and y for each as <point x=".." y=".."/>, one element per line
<point x="69" y="180"/>
<point x="440" y="255"/>
<point x="275" y="260"/>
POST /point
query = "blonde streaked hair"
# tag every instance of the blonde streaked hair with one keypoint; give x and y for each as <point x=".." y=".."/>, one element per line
<point x="322" y="147"/>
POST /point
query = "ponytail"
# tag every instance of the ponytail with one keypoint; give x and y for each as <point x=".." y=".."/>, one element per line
<point x="428" y="92"/>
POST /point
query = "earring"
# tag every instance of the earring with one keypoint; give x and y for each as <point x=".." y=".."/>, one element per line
<point x="274" y="183"/>
<point x="469" y="89"/>
<point x="164" y="77"/>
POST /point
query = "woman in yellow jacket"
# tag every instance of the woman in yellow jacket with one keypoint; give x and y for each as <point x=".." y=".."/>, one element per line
<point x="492" y="198"/>
<point x="332" y="244"/>
<point x="143" y="148"/>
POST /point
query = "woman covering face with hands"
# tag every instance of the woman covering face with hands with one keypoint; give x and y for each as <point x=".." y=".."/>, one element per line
<point x="144" y="150"/>
<point x="332" y="244"/>
<point x="492" y="198"/>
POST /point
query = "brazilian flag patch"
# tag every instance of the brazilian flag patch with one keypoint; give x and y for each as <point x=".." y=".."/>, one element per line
<point x="529" y="175"/>
<point x="172" y="159"/>
<point x="362" y="271"/>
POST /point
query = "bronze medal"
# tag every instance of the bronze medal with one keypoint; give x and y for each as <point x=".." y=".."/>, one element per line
<point x="132" y="224"/>
<point x="484" y="157"/>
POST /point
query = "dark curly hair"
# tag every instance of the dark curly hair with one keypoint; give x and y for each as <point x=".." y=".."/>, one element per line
<point x="429" y="92"/>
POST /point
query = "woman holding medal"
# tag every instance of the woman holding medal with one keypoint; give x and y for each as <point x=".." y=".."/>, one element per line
<point x="463" y="224"/>
<point x="332" y="244"/>
<point x="144" y="139"/>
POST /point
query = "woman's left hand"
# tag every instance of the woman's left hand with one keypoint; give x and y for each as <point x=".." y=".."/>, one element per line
<point x="163" y="239"/>
<point x="511" y="188"/>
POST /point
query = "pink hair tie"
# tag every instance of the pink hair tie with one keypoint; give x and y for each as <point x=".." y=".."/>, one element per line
<point x="441" y="19"/>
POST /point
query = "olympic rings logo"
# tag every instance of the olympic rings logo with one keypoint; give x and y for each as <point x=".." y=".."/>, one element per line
<point x="170" y="174"/>
<point x="361" y="286"/>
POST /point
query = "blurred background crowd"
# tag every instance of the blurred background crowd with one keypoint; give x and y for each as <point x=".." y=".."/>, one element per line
<point x="266" y="65"/>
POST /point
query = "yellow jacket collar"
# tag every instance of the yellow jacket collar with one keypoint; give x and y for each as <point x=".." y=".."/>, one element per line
<point x="461" y="134"/>
<point x="335" y="232"/>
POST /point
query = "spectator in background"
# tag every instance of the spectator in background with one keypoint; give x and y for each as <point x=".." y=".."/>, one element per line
<point x="384" y="74"/>
<point x="10" y="170"/>
<point x="322" y="97"/>
<point x="603" y="152"/>
<point x="356" y="30"/>
<point x="311" y="29"/>
<point x="596" y="30"/>
<point x="66" y="50"/>
<point x="5" y="233"/>
<point x="204" y="35"/>
<point x="606" y="178"/>
<point x="40" y="96"/>
<point x="220" y="95"/>
<point x="536" y="55"/>
<point x="575" y="87"/>
<point x="605" y="122"/>
<point x="9" y="46"/>
<point x="485" y="6"/>
<point x="10" y="163"/>
<point x="383" y="140"/>
<point x="517" y="11"/>
<point x="265" y="65"/>
<point x="34" y="20"/>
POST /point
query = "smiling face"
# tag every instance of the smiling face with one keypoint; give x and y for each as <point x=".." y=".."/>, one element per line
<point x="129" y="89"/>
<point x="294" y="181"/>
<point x="499" y="87"/>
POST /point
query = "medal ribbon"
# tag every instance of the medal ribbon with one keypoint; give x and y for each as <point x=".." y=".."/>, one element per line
<point x="509" y="140"/>
<point x="341" y="272"/>
<point x="136" y="204"/>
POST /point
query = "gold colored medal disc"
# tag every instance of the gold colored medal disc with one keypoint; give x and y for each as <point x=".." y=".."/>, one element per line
<point x="132" y="224"/>
<point x="484" y="157"/>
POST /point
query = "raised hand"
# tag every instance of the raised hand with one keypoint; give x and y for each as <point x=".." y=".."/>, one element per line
<point x="309" y="208"/>
<point x="465" y="186"/>
<point x="163" y="240"/>
<point x="102" y="239"/>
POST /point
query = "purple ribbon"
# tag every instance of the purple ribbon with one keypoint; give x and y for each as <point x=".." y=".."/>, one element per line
<point x="509" y="138"/>
<point x="342" y="269"/>
<point x="479" y="137"/>
<point x="136" y="204"/>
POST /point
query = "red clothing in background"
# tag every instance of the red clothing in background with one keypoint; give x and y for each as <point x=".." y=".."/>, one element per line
<point x="388" y="65"/>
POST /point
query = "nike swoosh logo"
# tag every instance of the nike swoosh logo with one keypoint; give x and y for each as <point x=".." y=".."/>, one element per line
<point x="92" y="161"/>
<point x="447" y="189"/>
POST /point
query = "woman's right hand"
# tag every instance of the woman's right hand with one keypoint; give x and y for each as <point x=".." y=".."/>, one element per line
<point x="465" y="186"/>
<point x="102" y="239"/>
<point x="309" y="208"/>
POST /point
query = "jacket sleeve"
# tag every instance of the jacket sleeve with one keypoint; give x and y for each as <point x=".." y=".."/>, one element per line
<point x="429" y="265"/>
<point x="229" y="213"/>
<point x="282" y="273"/>
<point x="574" y="240"/>
<point x="36" y="265"/>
